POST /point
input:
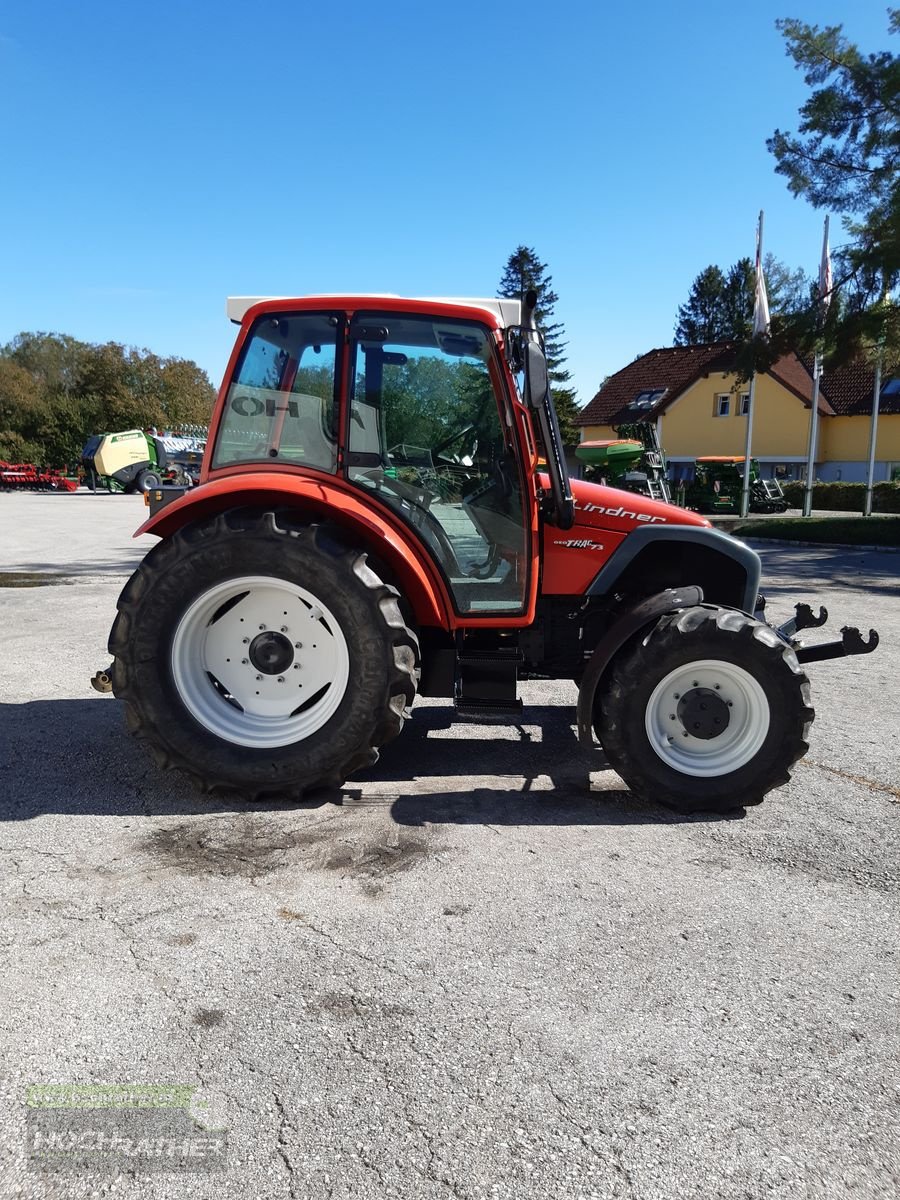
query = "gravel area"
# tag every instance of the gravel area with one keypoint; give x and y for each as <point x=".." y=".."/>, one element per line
<point x="482" y="971"/>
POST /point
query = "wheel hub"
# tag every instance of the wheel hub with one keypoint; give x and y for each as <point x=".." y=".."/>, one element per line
<point x="707" y="718"/>
<point x="703" y="713"/>
<point x="271" y="652"/>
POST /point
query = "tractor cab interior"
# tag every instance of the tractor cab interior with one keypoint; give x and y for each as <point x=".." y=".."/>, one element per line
<point x="425" y="436"/>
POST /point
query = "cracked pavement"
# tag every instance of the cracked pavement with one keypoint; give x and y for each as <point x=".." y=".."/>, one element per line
<point x="482" y="970"/>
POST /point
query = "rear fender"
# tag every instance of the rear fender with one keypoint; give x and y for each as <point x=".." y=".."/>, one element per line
<point x="630" y="622"/>
<point x="319" y="499"/>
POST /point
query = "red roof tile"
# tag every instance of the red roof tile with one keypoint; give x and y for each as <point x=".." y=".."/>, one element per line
<point x="672" y="369"/>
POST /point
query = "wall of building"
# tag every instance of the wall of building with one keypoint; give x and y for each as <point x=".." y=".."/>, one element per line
<point x="690" y="429"/>
<point x="780" y="421"/>
<point x="847" y="439"/>
<point x="598" y="433"/>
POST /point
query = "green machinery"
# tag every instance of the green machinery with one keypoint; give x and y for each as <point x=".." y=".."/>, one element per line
<point x="719" y="481"/>
<point x="634" y="461"/>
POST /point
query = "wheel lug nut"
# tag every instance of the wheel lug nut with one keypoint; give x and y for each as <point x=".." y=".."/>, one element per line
<point x="296" y="666"/>
<point x="671" y="716"/>
<point x="244" y="661"/>
<point x="281" y="679"/>
<point x="246" y="641"/>
<point x="262" y="626"/>
<point x="298" y="645"/>
<point x="677" y="695"/>
<point x="284" y="629"/>
<point x="258" y="678"/>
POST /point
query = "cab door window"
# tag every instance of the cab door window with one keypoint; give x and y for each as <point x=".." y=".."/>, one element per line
<point x="281" y="401"/>
<point x="425" y="437"/>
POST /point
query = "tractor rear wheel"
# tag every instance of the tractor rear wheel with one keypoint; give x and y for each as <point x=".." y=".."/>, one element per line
<point x="706" y="712"/>
<point x="263" y="659"/>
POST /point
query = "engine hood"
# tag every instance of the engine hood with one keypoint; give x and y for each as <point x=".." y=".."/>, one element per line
<point x="600" y="507"/>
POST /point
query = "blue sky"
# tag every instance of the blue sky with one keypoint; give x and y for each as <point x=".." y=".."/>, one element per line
<point x="162" y="156"/>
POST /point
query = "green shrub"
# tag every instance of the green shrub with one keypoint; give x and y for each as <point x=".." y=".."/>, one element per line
<point x="847" y="531"/>
<point x="846" y="497"/>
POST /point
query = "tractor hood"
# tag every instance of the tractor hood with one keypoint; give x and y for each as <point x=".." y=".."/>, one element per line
<point x="600" y="507"/>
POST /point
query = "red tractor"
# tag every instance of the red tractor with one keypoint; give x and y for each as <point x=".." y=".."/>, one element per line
<point x="374" y="521"/>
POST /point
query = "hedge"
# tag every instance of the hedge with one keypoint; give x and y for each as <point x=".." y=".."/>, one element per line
<point x="846" y="497"/>
<point x="841" y="531"/>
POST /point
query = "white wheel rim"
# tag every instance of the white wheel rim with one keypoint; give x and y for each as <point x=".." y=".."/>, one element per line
<point x="216" y="661"/>
<point x="748" y="719"/>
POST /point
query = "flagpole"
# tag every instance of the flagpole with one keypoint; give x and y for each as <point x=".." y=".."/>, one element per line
<point x="813" y="430"/>
<point x="874" y="430"/>
<point x="745" y="490"/>
<point x="824" y="300"/>
<point x="873" y="433"/>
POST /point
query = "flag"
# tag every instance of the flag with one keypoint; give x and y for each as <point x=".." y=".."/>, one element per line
<point x="825" y="278"/>
<point x="761" y="299"/>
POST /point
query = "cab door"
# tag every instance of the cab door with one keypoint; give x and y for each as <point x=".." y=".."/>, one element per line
<point x="431" y="435"/>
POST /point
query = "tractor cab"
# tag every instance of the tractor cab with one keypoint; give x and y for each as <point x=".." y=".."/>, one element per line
<point x="417" y="409"/>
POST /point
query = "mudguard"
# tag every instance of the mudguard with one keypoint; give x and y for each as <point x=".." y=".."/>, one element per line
<point x="629" y="623"/>
<point x="420" y="580"/>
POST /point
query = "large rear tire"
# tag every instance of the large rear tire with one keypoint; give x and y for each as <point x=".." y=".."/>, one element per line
<point x="260" y="658"/>
<point x="708" y="711"/>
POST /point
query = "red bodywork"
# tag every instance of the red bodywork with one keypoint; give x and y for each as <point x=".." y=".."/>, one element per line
<point x="562" y="562"/>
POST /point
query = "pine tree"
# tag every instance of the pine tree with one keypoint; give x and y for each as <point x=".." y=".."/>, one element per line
<point x="702" y="318"/>
<point x="524" y="272"/>
<point x="844" y="158"/>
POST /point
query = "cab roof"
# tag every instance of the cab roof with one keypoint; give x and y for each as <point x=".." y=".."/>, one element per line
<point x="506" y="312"/>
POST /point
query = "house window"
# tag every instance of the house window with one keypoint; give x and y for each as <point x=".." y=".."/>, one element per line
<point x="723" y="404"/>
<point x="745" y="404"/>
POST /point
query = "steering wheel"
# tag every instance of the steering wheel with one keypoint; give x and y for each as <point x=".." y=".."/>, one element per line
<point x="456" y="459"/>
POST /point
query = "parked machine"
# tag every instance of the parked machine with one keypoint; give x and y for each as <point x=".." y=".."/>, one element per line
<point x="634" y="461"/>
<point x="138" y="461"/>
<point x="128" y="461"/>
<point x="32" y="478"/>
<point x="718" y="485"/>
<point x="372" y="524"/>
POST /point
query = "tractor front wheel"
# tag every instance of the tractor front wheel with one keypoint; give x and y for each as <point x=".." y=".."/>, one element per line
<point x="262" y="659"/>
<point x="708" y="711"/>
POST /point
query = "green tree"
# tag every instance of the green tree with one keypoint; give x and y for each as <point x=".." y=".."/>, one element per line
<point x="845" y="157"/>
<point x="702" y="317"/>
<point x="719" y="307"/>
<point x="524" y="272"/>
<point x="56" y="391"/>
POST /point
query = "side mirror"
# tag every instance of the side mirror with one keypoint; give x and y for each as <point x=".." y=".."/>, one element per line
<point x="537" y="382"/>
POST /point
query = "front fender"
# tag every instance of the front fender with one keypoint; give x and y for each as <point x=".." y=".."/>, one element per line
<point x="628" y="624"/>
<point x="384" y="535"/>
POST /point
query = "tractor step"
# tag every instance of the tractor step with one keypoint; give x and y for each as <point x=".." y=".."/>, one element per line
<point x="487" y="682"/>
<point x="485" y="710"/>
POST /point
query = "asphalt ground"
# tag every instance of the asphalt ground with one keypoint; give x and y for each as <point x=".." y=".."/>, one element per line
<point x="481" y="971"/>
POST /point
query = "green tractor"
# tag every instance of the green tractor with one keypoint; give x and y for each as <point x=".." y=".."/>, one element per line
<point x="718" y="484"/>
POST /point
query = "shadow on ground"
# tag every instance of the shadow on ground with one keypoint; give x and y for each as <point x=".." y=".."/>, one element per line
<point x="789" y="570"/>
<point x="74" y="757"/>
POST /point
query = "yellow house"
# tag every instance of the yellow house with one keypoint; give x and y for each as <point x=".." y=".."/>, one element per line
<point x="700" y="408"/>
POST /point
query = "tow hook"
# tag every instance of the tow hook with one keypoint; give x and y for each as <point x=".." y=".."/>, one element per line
<point x="102" y="681"/>
<point x="803" y="618"/>
<point x="852" y="642"/>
